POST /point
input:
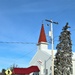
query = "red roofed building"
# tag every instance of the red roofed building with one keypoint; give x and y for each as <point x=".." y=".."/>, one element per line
<point x="27" y="71"/>
<point x="38" y="65"/>
<point x="41" y="62"/>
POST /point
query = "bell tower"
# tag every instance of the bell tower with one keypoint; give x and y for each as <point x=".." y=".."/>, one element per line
<point x="42" y="42"/>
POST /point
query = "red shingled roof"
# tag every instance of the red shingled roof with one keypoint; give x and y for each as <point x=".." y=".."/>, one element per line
<point x="42" y="37"/>
<point x="25" y="70"/>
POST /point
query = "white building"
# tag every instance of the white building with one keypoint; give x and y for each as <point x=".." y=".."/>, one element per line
<point x="42" y="58"/>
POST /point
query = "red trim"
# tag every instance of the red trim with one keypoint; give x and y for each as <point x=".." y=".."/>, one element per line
<point x="42" y="37"/>
<point x="25" y="70"/>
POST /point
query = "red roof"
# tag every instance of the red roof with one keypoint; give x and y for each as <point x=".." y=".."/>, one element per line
<point x="25" y="70"/>
<point x="42" y="37"/>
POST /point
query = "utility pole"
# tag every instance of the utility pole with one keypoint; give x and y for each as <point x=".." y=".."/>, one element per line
<point x="52" y="41"/>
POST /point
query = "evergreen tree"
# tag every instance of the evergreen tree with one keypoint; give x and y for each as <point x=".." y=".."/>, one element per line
<point x="3" y="72"/>
<point x="63" y="57"/>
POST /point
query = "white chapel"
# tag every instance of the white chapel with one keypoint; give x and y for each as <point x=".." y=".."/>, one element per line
<point x="43" y="57"/>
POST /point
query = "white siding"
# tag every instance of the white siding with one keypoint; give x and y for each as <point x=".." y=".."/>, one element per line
<point x="39" y="60"/>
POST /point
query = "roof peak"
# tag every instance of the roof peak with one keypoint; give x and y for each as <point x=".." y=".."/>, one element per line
<point x="42" y="37"/>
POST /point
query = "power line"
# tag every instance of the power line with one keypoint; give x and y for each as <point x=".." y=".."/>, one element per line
<point x="17" y="42"/>
<point x="25" y="54"/>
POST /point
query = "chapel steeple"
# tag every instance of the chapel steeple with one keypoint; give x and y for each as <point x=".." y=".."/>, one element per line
<point x="42" y="37"/>
<point x="42" y="42"/>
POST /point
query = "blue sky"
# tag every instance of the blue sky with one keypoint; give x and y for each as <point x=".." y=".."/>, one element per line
<point x="20" y="21"/>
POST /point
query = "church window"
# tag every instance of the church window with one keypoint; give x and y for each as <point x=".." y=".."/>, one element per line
<point x="46" y="71"/>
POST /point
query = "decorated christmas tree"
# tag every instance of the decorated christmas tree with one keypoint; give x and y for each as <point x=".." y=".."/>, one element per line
<point x="63" y="57"/>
